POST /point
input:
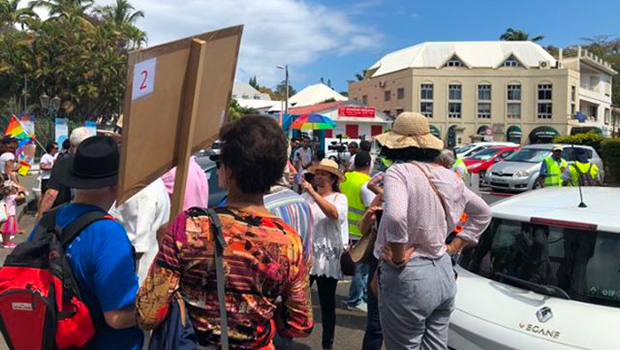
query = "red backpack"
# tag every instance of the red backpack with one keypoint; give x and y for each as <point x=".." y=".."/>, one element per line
<point x="40" y="303"/>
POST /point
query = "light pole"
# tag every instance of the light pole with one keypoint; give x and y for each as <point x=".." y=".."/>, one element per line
<point x="285" y="68"/>
<point x="51" y="107"/>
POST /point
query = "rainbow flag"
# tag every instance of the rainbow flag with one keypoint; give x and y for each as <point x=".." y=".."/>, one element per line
<point x="16" y="130"/>
<point x="23" y="168"/>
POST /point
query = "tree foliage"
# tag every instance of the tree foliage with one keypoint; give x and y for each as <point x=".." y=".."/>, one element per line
<point x="512" y="34"/>
<point x="254" y="83"/>
<point x="78" y="54"/>
<point x="236" y="112"/>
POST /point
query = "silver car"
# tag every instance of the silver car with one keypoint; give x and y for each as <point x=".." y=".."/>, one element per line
<point x="521" y="170"/>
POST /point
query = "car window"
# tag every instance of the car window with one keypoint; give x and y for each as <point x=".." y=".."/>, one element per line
<point x="466" y="149"/>
<point x="485" y="154"/>
<point x="585" y="264"/>
<point x="506" y="154"/>
<point x="569" y="154"/>
<point x="529" y="155"/>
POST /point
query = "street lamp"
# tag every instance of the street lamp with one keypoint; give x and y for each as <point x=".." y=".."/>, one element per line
<point x="285" y="68"/>
<point x="51" y="106"/>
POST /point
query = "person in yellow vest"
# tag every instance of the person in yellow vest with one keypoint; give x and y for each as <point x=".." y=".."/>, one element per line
<point x="359" y="197"/>
<point x="552" y="168"/>
<point x="582" y="171"/>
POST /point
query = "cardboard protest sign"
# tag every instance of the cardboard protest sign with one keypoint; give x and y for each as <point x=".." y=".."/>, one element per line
<point x="176" y="99"/>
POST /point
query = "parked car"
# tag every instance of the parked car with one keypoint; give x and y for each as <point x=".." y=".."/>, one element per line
<point x="213" y="150"/>
<point x="481" y="161"/>
<point x="520" y="171"/>
<point x="544" y="275"/>
<point x="216" y="193"/>
<point x="473" y="148"/>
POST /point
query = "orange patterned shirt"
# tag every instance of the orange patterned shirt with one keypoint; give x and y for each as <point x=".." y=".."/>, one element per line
<point x="267" y="281"/>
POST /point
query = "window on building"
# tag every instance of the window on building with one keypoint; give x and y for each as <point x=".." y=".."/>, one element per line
<point x="400" y="93"/>
<point x="454" y="62"/>
<point x="426" y="108"/>
<point x="593" y="109"/>
<point x="511" y="62"/>
<point x="607" y="117"/>
<point x="399" y="111"/>
<point x="352" y="131"/>
<point x="545" y="105"/>
<point x="572" y="109"/>
<point x="572" y="93"/>
<point x="484" y="110"/>
<point x="484" y="92"/>
<point x="365" y="100"/>
<point x="513" y="108"/>
<point x="387" y="96"/>
<point x="387" y="112"/>
<point x="454" y="101"/>
<point x="426" y="92"/>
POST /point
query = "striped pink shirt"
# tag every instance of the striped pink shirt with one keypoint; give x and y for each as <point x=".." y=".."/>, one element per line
<point x="413" y="213"/>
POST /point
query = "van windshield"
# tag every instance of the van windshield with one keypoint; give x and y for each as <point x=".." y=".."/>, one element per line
<point x="529" y="155"/>
<point x="584" y="264"/>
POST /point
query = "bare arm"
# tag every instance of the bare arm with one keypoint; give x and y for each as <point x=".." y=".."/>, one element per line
<point x="9" y="166"/>
<point x="47" y="201"/>
<point x="121" y="319"/>
<point x="328" y="208"/>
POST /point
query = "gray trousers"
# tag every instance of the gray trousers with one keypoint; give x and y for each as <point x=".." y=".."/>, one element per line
<point x="415" y="304"/>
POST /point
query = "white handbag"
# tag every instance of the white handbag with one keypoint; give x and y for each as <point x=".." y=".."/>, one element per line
<point x="3" y="214"/>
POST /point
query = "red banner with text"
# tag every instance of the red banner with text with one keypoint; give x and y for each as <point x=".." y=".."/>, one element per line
<point x="359" y="112"/>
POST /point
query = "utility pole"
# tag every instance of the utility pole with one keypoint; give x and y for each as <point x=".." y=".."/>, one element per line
<point x="286" y="82"/>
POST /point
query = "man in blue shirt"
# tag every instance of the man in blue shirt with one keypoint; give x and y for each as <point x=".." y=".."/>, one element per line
<point x="101" y="257"/>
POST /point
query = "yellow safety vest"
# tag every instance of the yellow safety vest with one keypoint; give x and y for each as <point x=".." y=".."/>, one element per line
<point x="459" y="161"/>
<point x="584" y="168"/>
<point x="352" y="188"/>
<point x="554" y="173"/>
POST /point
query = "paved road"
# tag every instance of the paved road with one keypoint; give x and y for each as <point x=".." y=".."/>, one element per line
<point x="350" y="324"/>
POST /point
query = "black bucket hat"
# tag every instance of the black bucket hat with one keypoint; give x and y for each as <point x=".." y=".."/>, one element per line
<point x="94" y="165"/>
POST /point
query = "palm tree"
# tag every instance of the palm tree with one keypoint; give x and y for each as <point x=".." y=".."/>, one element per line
<point x="519" y="35"/>
<point x="120" y="13"/>
<point x="10" y="15"/>
<point x="64" y="8"/>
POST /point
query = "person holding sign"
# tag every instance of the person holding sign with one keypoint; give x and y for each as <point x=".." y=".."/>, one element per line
<point x="263" y="257"/>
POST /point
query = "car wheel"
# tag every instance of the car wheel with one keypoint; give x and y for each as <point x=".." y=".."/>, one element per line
<point x="537" y="184"/>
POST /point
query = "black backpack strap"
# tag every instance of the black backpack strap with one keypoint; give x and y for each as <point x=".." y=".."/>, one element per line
<point x="219" y="244"/>
<point x="71" y="231"/>
<point x="47" y="222"/>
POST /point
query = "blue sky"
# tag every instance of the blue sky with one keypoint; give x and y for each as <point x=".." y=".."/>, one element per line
<point x="406" y="23"/>
<point x="336" y="39"/>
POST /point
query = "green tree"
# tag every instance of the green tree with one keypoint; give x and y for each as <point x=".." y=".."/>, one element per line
<point x="64" y="8"/>
<point x="281" y="90"/>
<point x="361" y="76"/>
<point x="121" y="13"/>
<point x="254" y="83"/>
<point x="519" y="35"/>
<point x="11" y="15"/>
<point x="235" y="111"/>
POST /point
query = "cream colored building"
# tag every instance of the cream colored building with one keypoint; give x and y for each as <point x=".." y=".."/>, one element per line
<point x="496" y="90"/>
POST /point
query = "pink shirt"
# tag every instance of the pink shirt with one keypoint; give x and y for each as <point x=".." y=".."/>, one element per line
<point x="196" y="189"/>
<point x="413" y="213"/>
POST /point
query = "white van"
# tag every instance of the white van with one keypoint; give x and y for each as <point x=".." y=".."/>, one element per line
<point x="545" y="275"/>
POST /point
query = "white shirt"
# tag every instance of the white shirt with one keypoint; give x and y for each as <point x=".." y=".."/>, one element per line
<point x="367" y="195"/>
<point x="5" y="157"/>
<point x="330" y="237"/>
<point x="141" y="216"/>
<point x="47" y="159"/>
<point x="302" y="156"/>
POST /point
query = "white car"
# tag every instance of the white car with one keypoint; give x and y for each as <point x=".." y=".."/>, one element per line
<point x="545" y="275"/>
<point x="473" y="148"/>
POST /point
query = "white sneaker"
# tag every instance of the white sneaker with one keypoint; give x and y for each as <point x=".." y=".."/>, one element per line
<point x="362" y="307"/>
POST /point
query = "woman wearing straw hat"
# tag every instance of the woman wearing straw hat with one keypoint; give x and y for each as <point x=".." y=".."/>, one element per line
<point x="331" y="234"/>
<point x="423" y="203"/>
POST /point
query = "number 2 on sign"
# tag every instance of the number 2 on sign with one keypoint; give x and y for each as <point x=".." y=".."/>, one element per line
<point x="145" y="75"/>
<point x="144" y="78"/>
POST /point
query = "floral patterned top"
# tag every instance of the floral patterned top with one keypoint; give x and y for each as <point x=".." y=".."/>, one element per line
<point x="267" y="281"/>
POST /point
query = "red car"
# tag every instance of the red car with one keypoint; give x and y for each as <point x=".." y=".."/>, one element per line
<point x="481" y="161"/>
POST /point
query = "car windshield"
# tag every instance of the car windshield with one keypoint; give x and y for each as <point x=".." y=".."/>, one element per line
<point x="584" y="264"/>
<point x="569" y="154"/>
<point x="529" y="155"/>
<point x="486" y="154"/>
<point x="466" y="149"/>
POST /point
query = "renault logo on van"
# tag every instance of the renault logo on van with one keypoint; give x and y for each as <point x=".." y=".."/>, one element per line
<point x="544" y="314"/>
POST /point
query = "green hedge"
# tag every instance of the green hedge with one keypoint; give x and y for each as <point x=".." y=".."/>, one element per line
<point x="590" y="139"/>
<point x="610" y="151"/>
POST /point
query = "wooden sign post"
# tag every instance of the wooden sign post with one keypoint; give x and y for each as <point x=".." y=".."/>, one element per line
<point x="176" y="99"/>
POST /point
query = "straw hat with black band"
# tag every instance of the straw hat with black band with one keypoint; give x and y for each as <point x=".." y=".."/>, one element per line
<point x="329" y="166"/>
<point x="410" y="129"/>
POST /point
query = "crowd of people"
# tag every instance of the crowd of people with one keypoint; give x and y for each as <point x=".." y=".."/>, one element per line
<point x="291" y="219"/>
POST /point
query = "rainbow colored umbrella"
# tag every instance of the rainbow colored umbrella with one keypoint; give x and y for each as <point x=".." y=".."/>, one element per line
<point x="313" y="122"/>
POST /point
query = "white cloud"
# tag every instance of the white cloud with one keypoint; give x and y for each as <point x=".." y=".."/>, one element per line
<point x="276" y="32"/>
